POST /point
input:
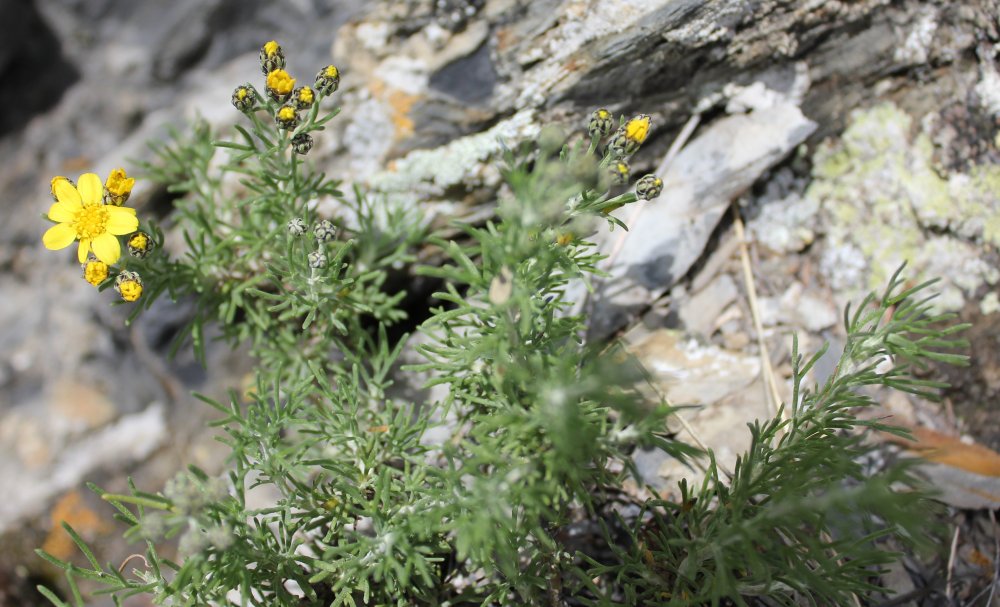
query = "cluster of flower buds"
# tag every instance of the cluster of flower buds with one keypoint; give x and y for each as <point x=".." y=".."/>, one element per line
<point x="323" y="231"/>
<point x="286" y="100"/>
<point x="625" y="142"/>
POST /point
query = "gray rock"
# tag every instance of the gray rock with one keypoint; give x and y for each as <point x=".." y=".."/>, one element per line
<point x="718" y="165"/>
<point x="700" y="311"/>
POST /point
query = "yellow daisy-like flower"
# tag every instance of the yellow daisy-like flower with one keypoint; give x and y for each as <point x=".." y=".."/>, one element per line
<point x="80" y="214"/>
<point x="119" y="187"/>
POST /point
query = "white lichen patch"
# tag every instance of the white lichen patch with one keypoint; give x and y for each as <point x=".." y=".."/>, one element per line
<point x="916" y="42"/>
<point x="988" y="89"/>
<point x="884" y="203"/>
<point x="431" y="172"/>
<point x="990" y="303"/>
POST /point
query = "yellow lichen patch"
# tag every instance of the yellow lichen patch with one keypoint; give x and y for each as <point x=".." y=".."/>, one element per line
<point x="72" y="510"/>
<point x="400" y="105"/>
<point x="887" y="202"/>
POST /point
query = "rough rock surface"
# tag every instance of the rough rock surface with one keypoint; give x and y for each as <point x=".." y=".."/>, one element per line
<point x="865" y="130"/>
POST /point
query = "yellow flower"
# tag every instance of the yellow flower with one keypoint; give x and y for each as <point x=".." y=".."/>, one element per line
<point x="630" y="136"/>
<point x="304" y="97"/>
<point x="271" y="57"/>
<point x="80" y="215"/>
<point x="286" y="117"/>
<point x="328" y="79"/>
<point x="280" y="84"/>
<point x="637" y="129"/>
<point x="139" y="244"/>
<point x="119" y="187"/>
<point x="95" y="272"/>
<point x="129" y="285"/>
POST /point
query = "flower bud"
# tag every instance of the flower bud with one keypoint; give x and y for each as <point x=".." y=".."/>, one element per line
<point x="328" y="79"/>
<point x="286" y="117"/>
<point x="296" y="227"/>
<point x="303" y="97"/>
<point x="279" y="85"/>
<point x="139" y="244"/>
<point x="619" y="171"/>
<point x="271" y="57"/>
<point x="648" y="187"/>
<point x="601" y="123"/>
<point x="324" y="230"/>
<point x="244" y="97"/>
<point x="630" y="136"/>
<point x="302" y="143"/>
<point x="95" y="271"/>
<point x="317" y="260"/>
<point x="129" y="285"/>
<point x="118" y="187"/>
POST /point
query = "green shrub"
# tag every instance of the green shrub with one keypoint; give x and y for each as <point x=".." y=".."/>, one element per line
<point x="521" y="502"/>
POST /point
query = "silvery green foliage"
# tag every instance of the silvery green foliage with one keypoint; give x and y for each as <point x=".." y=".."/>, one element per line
<point x="523" y="502"/>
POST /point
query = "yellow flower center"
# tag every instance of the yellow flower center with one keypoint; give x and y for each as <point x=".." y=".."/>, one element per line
<point x="95" y="272"/>
<point x="637" y="129"/>
<point x="306" y="95"/>
<point x="331" y="71"/>
<point x="130" y="290"/>
<point x="271" y="48"/>
<point x="91" y="221"/>
<point x="241" y="94"/>
<point x="280" y="82"/>
<point x="603" y="114"/>
<point x="286" y="113"/>
<point x="138" y="241"/>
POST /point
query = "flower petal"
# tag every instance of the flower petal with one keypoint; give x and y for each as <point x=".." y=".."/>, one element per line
<point x="81" y="252"/>
<point x="63" y="212"/>
<point x="65" y="192"/>
<point x="91" y="189"/>
<point x="58" y="236"/>
<point x="107" y="248"/>
<point x="121" y="222"/>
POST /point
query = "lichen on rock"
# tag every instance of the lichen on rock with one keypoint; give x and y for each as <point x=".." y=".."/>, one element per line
<point x="882" y="197"/>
